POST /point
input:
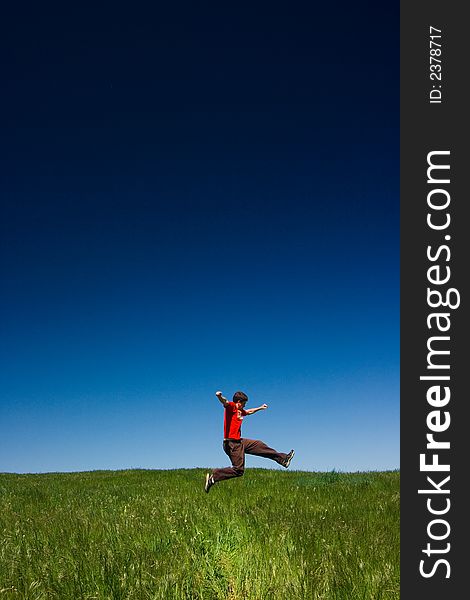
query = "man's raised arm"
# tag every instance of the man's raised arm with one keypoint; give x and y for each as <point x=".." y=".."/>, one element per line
<point x="223" y="400"/>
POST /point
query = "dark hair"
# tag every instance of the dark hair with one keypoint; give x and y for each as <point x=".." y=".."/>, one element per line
<point x="240" y="397"/>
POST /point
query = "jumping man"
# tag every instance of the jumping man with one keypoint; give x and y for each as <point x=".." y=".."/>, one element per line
<point x="235" y="446"/>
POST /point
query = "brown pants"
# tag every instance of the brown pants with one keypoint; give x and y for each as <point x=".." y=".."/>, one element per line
<point x="236" y="450"/>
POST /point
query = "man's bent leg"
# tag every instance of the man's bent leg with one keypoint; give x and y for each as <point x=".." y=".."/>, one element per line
<point x="259" y="448"/>
<point x="235" y="451"/>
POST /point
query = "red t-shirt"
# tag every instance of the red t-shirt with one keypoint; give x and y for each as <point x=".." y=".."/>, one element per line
<point x="233" y="418"/>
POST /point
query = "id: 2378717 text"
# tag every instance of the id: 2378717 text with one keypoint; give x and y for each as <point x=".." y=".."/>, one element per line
<point x="435" y="65"/>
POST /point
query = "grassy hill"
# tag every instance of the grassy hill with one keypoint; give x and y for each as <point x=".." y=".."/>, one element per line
<point x="155" y="535"/>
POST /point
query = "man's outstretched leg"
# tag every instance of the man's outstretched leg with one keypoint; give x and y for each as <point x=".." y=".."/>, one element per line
<point x="259" y="448"/>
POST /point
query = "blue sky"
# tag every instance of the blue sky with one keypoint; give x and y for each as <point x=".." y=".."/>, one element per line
<point x="193" y="202"/>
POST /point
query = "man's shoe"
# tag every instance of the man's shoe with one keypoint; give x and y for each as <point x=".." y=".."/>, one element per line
<point x="289" y="457"/>
<point x="209" y="483"/>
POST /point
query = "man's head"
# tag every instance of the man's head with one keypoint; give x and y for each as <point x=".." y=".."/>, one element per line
<point x="240" y="397"/>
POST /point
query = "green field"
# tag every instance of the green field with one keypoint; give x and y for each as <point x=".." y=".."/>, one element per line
<point x="270" y="535"/>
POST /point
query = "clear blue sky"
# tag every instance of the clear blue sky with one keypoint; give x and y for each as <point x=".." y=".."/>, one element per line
<point x="195" y="201"/>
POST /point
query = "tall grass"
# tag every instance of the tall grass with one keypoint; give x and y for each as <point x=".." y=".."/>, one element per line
<point x="270" y="535"/>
